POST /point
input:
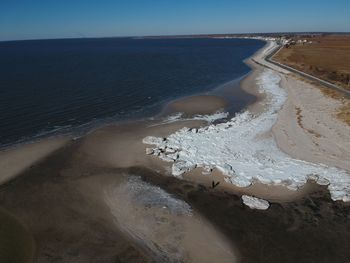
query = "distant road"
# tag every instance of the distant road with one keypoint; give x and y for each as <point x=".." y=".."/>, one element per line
<point x="268" y="58"/>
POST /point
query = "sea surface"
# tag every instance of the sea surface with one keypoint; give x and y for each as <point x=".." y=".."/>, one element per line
<point x="57" y="86"/>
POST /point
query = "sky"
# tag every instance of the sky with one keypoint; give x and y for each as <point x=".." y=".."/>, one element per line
<point x="33" y="19"/>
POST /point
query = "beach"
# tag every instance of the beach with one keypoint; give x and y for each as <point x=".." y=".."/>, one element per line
<point x="244" y="150"/>
<point x="105" y="188"/>
<point x="312" y="131"/>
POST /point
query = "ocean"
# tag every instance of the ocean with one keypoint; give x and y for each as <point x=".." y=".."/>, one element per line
<point x="50" y="87"/>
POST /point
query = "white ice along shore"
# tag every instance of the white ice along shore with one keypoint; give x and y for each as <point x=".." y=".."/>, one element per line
<point x="209" y="118"/>
<point x="236" y="149"/>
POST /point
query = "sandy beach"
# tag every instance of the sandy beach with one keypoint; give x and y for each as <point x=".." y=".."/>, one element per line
<point x="129" y="207"/>
<point x="307" y="127"/>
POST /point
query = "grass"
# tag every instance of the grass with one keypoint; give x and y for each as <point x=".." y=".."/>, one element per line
<point x="327" y="57"/>
<point x="344" y="113"/>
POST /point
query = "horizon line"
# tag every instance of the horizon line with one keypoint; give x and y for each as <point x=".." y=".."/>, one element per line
<point x="184" y="35"/>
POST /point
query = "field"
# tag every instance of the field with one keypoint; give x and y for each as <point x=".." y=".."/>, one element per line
<point x="326" y="57"/>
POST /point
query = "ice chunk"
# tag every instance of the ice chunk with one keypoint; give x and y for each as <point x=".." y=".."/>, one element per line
<point x="255" y="203"/>
<point x="149" y="151"/>
<point x="180" y="168"/>
<point x="152" y="140"/>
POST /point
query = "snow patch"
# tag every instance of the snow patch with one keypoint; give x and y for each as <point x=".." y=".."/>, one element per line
<point x="236" y="149"/>
<point x="148" y="195"/>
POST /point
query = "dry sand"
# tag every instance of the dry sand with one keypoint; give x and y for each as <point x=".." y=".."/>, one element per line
<point x="307" y="126"/>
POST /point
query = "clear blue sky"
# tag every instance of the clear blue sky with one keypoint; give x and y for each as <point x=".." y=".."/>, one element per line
<point x="28" y="19"/>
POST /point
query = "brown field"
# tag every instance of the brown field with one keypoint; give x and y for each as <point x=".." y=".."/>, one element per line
<point x="327" y="57"/>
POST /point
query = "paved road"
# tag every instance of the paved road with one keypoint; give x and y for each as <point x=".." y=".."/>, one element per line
<point x="268" y="58"/>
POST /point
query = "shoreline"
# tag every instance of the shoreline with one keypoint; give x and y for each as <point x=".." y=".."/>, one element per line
<point x="169" y="111"/>
<point x="104" y="187"/>
<point x="16" y="160"/>
<point x="151" y="108"/>
<point x="191" y="149"/>
<point x="212" y="103"/>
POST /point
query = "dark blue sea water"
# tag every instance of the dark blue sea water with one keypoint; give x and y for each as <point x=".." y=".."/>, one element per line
<point x="49" y="86"/>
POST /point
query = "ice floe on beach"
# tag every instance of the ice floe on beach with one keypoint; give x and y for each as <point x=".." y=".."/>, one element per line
<point x="242" y="152"/>
<point x="148" y="195"/>
<point x="255" y="203"/>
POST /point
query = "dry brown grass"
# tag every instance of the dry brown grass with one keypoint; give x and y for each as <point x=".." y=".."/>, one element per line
<point x="299" y="117"/>
<point x="344" y="113"/>
<point x="327" y="57"/>
<point x="300" y="123"/>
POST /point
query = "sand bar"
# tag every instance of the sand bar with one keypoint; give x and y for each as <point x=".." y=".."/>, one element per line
<point x="193" y="105"/>
<point x="15" y="160"/>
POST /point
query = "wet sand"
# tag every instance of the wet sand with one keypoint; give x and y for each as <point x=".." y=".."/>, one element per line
<point x="75" y="214"/>
<point x="77" y="204"/>
<point x="66" y="224"/>
<point x="62" y="202"/>
<point x="194" y="105"/>
<point x="66" y="195"/>
<point x="16" y="243"/>
<point x="311" y="229"/>
<point x="15" y="160"/>
<point x="271" y="193"/>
